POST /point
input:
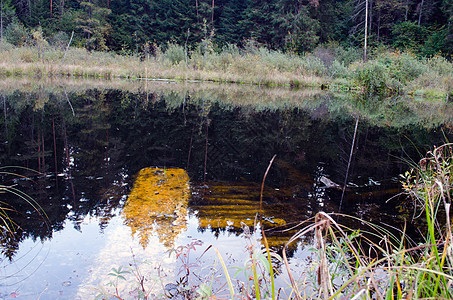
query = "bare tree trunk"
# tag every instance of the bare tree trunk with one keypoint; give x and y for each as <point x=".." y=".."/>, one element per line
<point x="66" y="149"/>
<point x="43" y="150"/>
<point x="64" y="56"/>
<point x="89" y="18"/>
<point x="51" y="8"/>
<point x="55" y="152"/>
<point x="190" y="150"/>
<point x="366" y="30"/>
<point x="185" y="46"/>
<point x="4" y="114"/>
<point x="407" y="10"/>
<point x="32" y="134"/>
<point x="146" y="76"/>
<point x="212" y="14"/>
<point x="196" y="6"/>
<point x="349" y="163"/>
<point x="1" y="23"/>
<point x="378" y="26"/>
<point x="420" y="13"/>
<point x="39" y="152"/>
<point x="107" y="148"/>
<point x="206" y="154"/>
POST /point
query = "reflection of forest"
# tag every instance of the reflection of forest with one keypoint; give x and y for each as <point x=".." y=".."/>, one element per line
<point x="158" y="204"/>
<point x="88" y="143"/>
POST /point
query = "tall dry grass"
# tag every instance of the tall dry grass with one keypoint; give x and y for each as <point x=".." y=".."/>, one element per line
<point x="379" y="264"/>
<point x="386" y="73"/>
<point x="259" y="69"/>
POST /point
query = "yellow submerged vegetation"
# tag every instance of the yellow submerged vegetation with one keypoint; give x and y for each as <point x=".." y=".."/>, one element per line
<point x="228" y="205"/>
<point x="158" y="204"/>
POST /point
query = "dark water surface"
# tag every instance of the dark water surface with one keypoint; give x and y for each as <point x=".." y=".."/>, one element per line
<point x="86" y="148"/>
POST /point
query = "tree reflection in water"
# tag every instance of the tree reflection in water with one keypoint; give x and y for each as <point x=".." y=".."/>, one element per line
<point x="223" y="136"/>
<point x="158" y="203"/>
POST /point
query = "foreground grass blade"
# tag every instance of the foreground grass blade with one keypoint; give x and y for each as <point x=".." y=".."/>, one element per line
<point x="271" y="269"/>
<point x="225" y="270"/>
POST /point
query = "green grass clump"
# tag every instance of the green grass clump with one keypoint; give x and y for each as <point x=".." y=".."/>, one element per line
<point x="390" y="73"/>
<point x="377" y="264"/>
<point x="405" y="67"/>
<point x="373" y="76"/>
<point x="430" y="186"/>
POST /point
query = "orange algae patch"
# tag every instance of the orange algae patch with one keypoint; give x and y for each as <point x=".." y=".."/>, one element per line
<point x="230" y="205"/>
<point x="158" y="204"/>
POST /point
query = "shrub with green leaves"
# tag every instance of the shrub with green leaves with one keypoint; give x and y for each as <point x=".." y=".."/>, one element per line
<point x="16" y="33"/>
<point x="436" y="44"/>
<point x="338" y="70"/>
<point x="430" y="187"/>
<point x="373" y="76"/>
<point x="406" y="67"/>
<point x="440" y="64"/>
<point x="278" y="60"/>
<point x="348" y="55"/>
<point x="409" y="36"/>
<point x="60" y="40"/>
<point x="324" y="54"/>
<point x="174" y="54"/>
<point x="231" y="49"/>
<point x="314" y="66"/>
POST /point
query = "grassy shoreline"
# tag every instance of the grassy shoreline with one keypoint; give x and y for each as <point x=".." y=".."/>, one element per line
<point x="27" y="61"/>
<point x="386" y="73"/>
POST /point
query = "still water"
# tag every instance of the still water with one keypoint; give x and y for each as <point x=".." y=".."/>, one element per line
<point x="121" y="174"/>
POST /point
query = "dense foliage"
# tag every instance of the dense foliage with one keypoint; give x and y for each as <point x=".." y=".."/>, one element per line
<point x="421" y="26"/>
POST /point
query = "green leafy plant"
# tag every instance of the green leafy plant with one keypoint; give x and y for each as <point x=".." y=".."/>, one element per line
<point x="122" y="274"/>
<point x="117" y="274"/>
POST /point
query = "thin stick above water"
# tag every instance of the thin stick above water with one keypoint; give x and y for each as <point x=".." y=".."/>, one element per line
<point x="264" y="178"/>
<point x="67" y="48"/>
<point x="349" y="163"/>
<point x="67" y="98"/>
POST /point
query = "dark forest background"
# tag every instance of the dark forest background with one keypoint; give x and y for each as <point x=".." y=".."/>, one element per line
<point x="297" y="26"/>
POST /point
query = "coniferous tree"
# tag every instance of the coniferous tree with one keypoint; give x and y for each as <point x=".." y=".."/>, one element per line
<point x="422" y="26"/>
<point x="7" y="15"/>
<point x="93" y="24"/>
<point x="334" y="18"/>
<point x="258" y="17"/>
<point x="231" y="27"/>
<point x="294" y="29"/>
